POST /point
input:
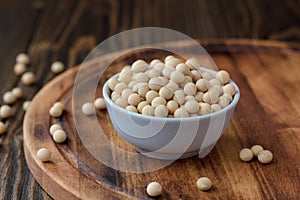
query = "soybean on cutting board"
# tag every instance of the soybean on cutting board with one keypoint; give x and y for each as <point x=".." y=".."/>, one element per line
<point x="268" y="76"/>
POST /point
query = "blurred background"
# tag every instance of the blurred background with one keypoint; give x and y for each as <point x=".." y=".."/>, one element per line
<point x="65" y="27"/>
<point x="67" y="30"/>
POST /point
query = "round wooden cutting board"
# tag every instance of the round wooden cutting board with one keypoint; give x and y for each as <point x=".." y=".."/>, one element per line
<point x="268" y="76"/>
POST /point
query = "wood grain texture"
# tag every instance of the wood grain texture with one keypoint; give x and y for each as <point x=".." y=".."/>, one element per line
<point x="68" y="30"/>
<point x="259" y="119"/>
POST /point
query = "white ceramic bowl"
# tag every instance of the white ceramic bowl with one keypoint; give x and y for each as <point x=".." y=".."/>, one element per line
<point x="170" y="138"/>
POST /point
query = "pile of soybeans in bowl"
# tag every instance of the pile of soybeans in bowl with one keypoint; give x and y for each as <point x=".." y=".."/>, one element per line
<point x="171" y="88"/>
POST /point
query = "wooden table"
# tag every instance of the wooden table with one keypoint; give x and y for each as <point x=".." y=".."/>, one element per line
<point x="68" y="30"/>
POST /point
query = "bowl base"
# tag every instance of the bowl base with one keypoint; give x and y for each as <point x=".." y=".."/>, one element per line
<point x="160" y="156"/>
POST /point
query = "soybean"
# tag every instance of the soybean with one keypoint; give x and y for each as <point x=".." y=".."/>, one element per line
<point x="154" y="189"/>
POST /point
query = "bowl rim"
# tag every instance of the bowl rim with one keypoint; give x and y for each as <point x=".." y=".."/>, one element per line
<point x="232" y="104"/>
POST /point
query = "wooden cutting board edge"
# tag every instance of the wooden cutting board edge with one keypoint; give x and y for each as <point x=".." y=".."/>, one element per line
<point x="59" y="185"/>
